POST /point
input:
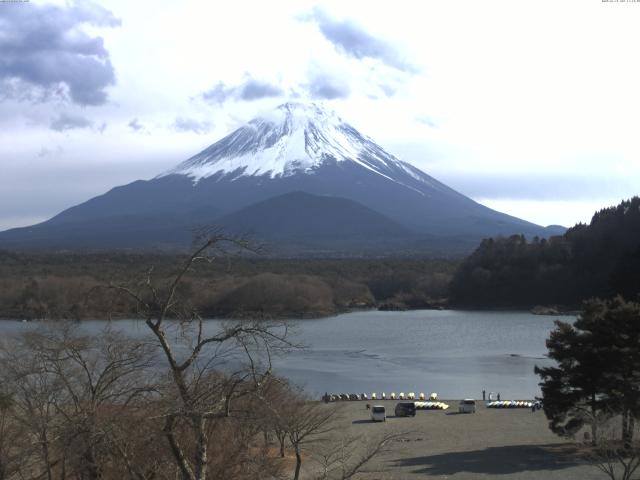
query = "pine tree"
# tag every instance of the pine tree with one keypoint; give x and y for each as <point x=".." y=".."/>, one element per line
<point x="597" y="371"/>
<point x="574" y="390"/>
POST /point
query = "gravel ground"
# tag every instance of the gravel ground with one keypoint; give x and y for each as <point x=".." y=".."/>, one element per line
<point x="491" y="443"/>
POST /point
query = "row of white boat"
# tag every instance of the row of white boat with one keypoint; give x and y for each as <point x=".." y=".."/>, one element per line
<point x="512" y="404"/>
<point x="374" y="396"/>
<point x="431" y="406"/>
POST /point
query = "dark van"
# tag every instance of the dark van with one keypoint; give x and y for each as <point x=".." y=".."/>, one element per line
<point x="405" y="409"/>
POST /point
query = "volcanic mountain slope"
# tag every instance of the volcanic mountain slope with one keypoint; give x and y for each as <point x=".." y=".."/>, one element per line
<point x="295" y="148"/>
<point x="301" y="223"/>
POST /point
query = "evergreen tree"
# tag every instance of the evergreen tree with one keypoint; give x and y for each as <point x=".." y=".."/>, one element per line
<point x="573" y="391"/>
<point x="616" y="324"/>
<point x="597" y="371"/>
<point x="601" y="259"/>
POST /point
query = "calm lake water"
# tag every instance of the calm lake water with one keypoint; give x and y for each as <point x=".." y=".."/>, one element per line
<point x="454" y="353"/>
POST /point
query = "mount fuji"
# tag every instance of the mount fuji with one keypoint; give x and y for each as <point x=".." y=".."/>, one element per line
<point x="299" y="178"/>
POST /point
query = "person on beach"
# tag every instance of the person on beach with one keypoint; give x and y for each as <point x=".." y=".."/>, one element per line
<point x="498" y="396"/>
<point x="484" y="394"/>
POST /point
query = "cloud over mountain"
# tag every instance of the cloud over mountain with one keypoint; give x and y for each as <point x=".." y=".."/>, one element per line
<point x="327" y="87"/>
<point x="183" y="124"/>
<point x="352" y="40"/>
<point x="251" y="89"/>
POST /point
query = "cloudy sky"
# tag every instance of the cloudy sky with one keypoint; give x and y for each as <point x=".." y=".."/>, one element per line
<point x="530" y="107"/>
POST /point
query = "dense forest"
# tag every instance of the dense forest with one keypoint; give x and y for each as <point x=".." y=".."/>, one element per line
<point x="601" y="259"/>
<point x="67" y="285"/>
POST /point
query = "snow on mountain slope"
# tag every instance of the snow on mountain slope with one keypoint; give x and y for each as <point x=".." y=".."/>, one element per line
<point x="295" y="138"/>
<point x="298" y="147"/>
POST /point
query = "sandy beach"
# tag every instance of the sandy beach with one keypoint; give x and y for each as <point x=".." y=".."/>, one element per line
<point x="491" y="443"/>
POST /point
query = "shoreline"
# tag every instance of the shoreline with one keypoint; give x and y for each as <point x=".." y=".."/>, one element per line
<point x="297" y="316"/>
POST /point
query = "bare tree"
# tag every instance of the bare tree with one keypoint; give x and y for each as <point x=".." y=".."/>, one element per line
<point x="100" y="378"/>
<point x="311" y="427"/>
<point x="12" y="444"/>
<point x="34" y="395"/>
<point x="71" y="393"/>
<point x="308" y="423"/>
<point x="102" y="406"/>
<point x="615" y="461"/>
<point x="279" y="401"/>
<point x="344" y="458"/>
<point x="198" y="393"/>
<point x="616" y="458"/>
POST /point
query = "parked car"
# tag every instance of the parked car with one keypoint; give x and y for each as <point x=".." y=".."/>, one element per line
<point x="405" y="409"/>
<point x="378" y="413"/>
<point x="468" y="405"/>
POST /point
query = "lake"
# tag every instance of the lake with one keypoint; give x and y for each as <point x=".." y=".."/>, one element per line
<point x="454" y="353"/>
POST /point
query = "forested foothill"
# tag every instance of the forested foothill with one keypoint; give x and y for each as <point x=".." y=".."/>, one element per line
<point x="601" y="259"/>
<point x="62" y="285"/>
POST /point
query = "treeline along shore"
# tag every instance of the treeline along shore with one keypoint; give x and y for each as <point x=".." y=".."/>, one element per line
<point x="68" y="286"/>
<point x="601" y="259"/>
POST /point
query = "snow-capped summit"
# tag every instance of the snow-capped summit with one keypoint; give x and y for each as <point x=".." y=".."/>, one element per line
<point x="295" y="137"/>
<point x="299" y="177"/>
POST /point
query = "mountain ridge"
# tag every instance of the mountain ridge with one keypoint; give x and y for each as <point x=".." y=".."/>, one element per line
<point x="296" y="148"/>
